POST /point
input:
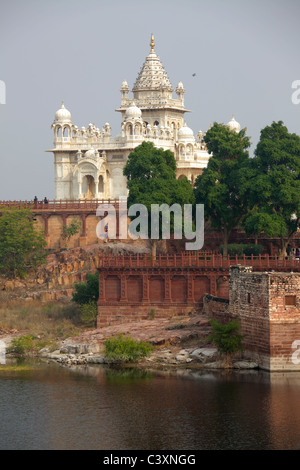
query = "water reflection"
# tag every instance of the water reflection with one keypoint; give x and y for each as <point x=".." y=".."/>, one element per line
<point x="96" y="407"/>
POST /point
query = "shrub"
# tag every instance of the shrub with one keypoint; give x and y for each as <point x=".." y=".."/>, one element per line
<point x="254" y="250"/>
<point x="22" y="345"/>
<point x="126" y="349"/>
<point x="225" y="337"/>
<point x="242" y="248"/>
<point x="87" y="291"/>
<point x="88" y="313"/>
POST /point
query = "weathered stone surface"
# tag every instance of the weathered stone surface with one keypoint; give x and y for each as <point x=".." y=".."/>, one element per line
<point x="245" y="365"/>
<point x="204" y="354"/>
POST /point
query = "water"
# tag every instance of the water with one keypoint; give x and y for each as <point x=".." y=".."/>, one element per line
<point x="97" y="408"/>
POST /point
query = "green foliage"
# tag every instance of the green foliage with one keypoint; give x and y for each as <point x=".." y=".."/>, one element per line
<point x="152" y="314"/>
<point x="272" y="183"/>
<point x="241" y="248"/>
<point x="87" y="291"/>
<point x="272" y="225"/>
<point x="88" y="313"/>
<point x="219" y="186"/>
<point x="26" y="345"/>
<point x="225" y="337"/>
<point x="69" y="231"/>
<point x="151" y="179"/>
<point x="22" y="243"/>
<point x="22" y="345"/>
<point x="126" y="349"/>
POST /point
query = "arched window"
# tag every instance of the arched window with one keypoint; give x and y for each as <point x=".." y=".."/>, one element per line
<point x="66" y="132"/>
<point x="137" y="129"/>
<point x="101" y="184"/>
<point x="156" y="123"/>
<point x="89" y="186"/>
<point x="129" y="129"/>
<point x="58" y="132"/>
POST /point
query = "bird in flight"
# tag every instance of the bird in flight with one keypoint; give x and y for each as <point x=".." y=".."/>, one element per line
<point x="194" y="75"/>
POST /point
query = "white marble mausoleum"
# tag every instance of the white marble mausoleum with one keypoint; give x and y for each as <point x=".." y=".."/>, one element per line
<point x="89" y="161"/>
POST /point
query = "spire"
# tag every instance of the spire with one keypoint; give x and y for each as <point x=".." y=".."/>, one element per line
<point x="152" y="44"/>
<point x="152" y="74"/>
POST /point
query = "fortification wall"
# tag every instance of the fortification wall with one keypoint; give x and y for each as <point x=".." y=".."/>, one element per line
<point x="267" y="305"/>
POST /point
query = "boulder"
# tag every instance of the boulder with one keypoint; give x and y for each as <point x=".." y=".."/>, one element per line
<point x="183" y="356"/>
<point x="204" y="354"/>
<point x="245" y="365"/>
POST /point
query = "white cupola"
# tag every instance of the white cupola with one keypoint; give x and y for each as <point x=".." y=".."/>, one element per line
<point x="234" y="125"/>
<point x="62" y="115"/>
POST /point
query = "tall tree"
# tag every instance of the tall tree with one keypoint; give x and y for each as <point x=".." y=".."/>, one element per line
<point x="22" y="242"/>
<point x="151" y="179"/>
<point x="218" y="188"/>
<point x="272" y="184"/>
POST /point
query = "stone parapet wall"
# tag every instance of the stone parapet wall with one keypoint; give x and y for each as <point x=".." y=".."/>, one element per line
<point x="117" y="313"/>
<point x="267" y="306"/>
<point x="217" y="308"/>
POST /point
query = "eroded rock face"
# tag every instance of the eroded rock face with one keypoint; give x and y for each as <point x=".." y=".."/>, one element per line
<point x="55" y="280"/>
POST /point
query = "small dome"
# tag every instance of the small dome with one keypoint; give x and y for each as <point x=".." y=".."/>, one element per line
<point x="124" y="85"/>
<point x="133" y="112"/>
<point x="180" y="86"/>
<point x="90" y="153"/>
<point x="234" y="125"/>
<point x="63" y="115"/>
<point x="185" y="133"/>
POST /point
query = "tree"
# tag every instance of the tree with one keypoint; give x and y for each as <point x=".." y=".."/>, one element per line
<point x="226" y="337"/>
<point x="219" y="186"/>
<point x="272" y="184"/>
<point x="88" y="291"/>
<point x="22" y="242"/>
<point x="69" y="231"/>
<point x="151" y="179"/>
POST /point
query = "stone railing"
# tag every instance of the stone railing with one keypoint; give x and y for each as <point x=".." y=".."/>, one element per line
<point x="199" y="260"/>
<point x="59" y="204"/>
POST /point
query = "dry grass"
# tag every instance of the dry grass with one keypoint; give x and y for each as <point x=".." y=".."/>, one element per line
<point x="49" y="321"/>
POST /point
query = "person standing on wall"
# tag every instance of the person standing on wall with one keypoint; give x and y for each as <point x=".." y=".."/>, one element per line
<point x="106" y="233"/>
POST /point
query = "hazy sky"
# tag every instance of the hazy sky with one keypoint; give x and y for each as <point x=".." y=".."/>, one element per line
<point x="245" y="55"/>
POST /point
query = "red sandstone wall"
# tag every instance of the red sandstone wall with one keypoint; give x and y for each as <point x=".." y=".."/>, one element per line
<point x="262" y="303"/>
<point x="138" y="288"/>
<point x="217" y="308"/>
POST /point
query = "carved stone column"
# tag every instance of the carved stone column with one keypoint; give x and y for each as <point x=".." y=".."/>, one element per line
<point x="145" y="288"/>
<point x="47" y="236"/>
<point x="168" y="289"/>
<point x="213" y="284"/>
<point x="190" y="289"/>
<point x="124" y="297"/>
<point x="83" y="235"/>
<point x="101" y="297"/>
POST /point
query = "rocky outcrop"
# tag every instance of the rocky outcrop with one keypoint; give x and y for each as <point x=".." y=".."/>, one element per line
<point x="177" y="344"/>
<point x="55" y="280"/>
<point x="202" y="358"/>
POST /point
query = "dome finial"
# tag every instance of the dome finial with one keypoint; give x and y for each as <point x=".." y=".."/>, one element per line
<point x="152" y="44"/>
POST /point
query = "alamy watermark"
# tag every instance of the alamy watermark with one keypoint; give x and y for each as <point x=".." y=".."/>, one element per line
<point x="2" y="352"/>
<point x="296" y="94"/>
<point x="154" y="226"/>
<point x="295" y="355"/>
<point x="2" y="92"/>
